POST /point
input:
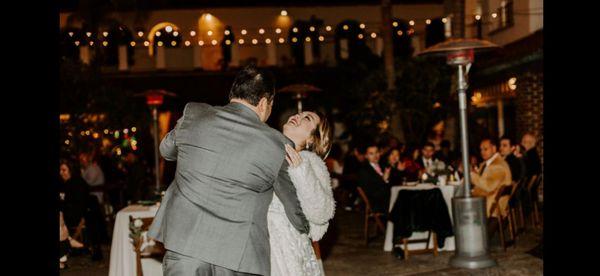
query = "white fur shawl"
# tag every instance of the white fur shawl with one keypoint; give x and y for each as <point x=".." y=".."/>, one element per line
<point x="313" y="186"/>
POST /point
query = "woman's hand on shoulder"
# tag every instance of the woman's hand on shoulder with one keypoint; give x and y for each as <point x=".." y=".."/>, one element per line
<point x="292" y="156"/>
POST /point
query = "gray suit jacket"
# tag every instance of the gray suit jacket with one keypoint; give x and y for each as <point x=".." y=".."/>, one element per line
<point x="228" y="165"/>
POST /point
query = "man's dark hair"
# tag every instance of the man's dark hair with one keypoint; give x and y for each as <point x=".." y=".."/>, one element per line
<point x="362" y="149"/>
<point x="428" y="144"/>
<point x="493" y="141"/>
<point x="251" y="84"/>
<point x="510" y="141"/>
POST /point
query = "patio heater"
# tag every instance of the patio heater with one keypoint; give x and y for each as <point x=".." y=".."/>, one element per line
<point x="470" y="223"/>
<point x="155" y="98"/>
<point x="300" y="92"/>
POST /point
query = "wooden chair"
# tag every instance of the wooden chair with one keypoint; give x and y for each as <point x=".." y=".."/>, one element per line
<point x="526" y="182"/>
<point x="155" y="252"/>
<point x="532" y="189"/>
<point x="370" y="215"/>
<point x="514" y="205"/>
<point x="505" y="190"/>
<point x="430" y="235"/>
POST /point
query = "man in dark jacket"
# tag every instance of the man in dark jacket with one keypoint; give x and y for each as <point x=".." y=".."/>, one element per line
<point x="517" y="166"/>
<point x="533" y="163"/>
<point x="374" y="180"/>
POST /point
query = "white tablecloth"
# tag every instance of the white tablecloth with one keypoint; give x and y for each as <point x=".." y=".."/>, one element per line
<point x="447" y="192"/>
<point x="122" y="256"/>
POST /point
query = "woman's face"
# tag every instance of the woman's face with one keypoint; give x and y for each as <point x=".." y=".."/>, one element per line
<point x="300" y="126"/>
<point x="394" y="156"/>
<point x="65" y="173"/>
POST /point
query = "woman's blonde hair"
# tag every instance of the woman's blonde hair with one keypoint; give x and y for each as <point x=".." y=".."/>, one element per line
<point x="322" y="137"/>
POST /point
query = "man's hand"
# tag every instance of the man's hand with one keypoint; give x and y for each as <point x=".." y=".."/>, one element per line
<point x="292" y="156"/>
<point x="386" y="174"/>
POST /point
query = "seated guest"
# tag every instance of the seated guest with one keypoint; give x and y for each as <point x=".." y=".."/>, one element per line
<point x="490" y="176"/>
<point x="427" y="160"/>
<point x="349" y="178"/>
<point x="392" y="162"/>
<point x="533" y="164"/>
<point x="374" y="180"/>
<point x="74" y="195"/>
<point x="517" y="166"/>
<point x="92" y="174"/>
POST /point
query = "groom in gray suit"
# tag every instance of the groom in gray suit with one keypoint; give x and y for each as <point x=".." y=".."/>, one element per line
<point x="213" y="217"/>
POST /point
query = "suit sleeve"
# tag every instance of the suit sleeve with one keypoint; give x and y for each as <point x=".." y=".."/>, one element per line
<point x="492" y="179"/>
<point x="286" y="192"/>
<point x="168" y="146"/>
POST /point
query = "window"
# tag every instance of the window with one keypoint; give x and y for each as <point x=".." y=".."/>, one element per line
<point x="505" y="17"/>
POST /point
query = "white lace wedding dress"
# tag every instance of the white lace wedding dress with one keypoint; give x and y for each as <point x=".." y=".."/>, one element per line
<point x="292" y="253"/>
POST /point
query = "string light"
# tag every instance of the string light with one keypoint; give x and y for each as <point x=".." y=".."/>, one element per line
<point x="428" y="21"/>
<point x="400" y="33"/>
<point x="345" y="27"/>
<point x="105" y="43"/>
<point x="158" y="33"/>
<point x="125" y="131"/>
<point x="295" y="30"/>
<point x="91" y="43"/>
<point x="209" y="33"/>
<point x="328" y="28"/>
<point x="71" y="34"/>
<point x="175" y="33"/>
<point x="173" y="43"/>
<point x="360" y="36"/>
<point x="227" y="42"/>
<point x="193" y="33"/>
<point x="268" y="41"/>
<point x="67" y="142"/>
<point x="294" y="39"/>
<point x="169" y="29"/>
<point x="241" y="41"/>
<point x="201" y="43"/>
<point x="321" y="38"/>
<point x="395" y="24"/>
<point x="140" y="33"/>
<point x="312" y="29"/>
<point x="362" y="26"/>
<point x="88" y="34"/>
<point x="255" y="41"/>
<point x="278" y="30"/>
<point x="494" y="15"/>
<point x="373" y="35"/>
<point x="133" y="129"/>
<point x="132" y="44"/>
<point x="284" y="13"/>
<point x="244" y="32"/>
<point x="146" y="43"/>
<point x="478" y="17"/>
<point x="105" y="34"/>
<point x="412" y="22"/>
<point x="307" y="39"/>
<point x="227" y="32"/>
<point x="281" y="40"/>
<point x="187" y="43"/>
<point x="445" y="20"/>
<point x="261" y="31"/>
<point x="76" y="43"/>
<point x="214" y="42"/>
<point x="160" y="44"/>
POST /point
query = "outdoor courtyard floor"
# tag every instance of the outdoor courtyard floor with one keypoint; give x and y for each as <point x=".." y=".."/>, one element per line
<point x="345" y="253"/>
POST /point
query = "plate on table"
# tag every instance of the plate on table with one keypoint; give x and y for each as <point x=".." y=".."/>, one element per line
<point x="412" y="183"/>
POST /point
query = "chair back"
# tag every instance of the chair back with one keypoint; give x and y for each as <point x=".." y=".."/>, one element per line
<point x="363" y="196"/>
<point x="157" y="251"/>
<point x="534" y="185"/>
<point x="504" y="190"/>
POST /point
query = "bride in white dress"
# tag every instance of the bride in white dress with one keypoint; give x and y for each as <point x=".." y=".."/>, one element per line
<point x="292" y="253"/>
